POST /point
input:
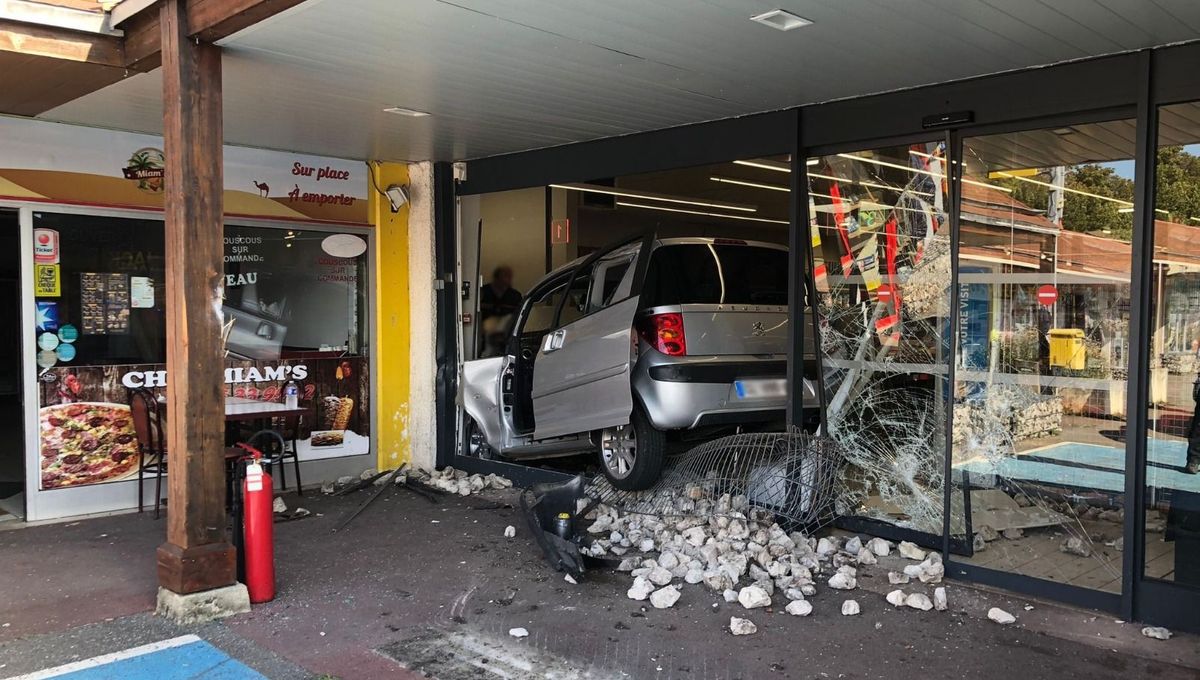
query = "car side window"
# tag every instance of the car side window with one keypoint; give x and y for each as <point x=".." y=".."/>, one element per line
<point x="608" y="279"/>
<point x="540" y="317"/>
<point x="577" y="297"/>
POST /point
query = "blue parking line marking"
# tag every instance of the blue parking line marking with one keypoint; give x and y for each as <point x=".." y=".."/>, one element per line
<point x="181" y="658"/>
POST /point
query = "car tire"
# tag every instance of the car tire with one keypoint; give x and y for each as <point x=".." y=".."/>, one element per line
<point x="632" y="455"/>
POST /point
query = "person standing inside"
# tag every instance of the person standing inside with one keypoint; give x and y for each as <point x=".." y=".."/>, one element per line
<point x="498" y="302"/>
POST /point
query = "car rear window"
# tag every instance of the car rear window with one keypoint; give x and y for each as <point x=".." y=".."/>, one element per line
<point x="699" y="273"/>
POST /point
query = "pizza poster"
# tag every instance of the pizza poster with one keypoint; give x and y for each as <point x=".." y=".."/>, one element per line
<point x="87" y="434"/>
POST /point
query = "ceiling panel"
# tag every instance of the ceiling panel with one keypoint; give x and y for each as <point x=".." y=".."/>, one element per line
<point x="508" y="75"/>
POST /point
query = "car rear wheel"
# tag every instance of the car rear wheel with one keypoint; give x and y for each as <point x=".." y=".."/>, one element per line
<point x="632" y="455"/>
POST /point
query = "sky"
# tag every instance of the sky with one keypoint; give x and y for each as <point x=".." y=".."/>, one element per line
<point x="1125" y="168"/>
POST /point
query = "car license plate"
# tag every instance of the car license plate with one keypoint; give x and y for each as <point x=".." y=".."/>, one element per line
<point x="760" y="389"/>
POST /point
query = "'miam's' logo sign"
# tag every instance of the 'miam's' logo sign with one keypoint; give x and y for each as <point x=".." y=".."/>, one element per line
<point x="146" y="167"/>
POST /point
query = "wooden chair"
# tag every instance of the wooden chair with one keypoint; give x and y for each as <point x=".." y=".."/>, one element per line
<point x="152" y="451"/>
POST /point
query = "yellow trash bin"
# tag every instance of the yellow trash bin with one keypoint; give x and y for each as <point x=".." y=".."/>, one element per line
<point x="1067" y="348"/>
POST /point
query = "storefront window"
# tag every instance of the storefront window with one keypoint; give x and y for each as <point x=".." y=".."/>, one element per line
<point x="1043" y="330"/>
<point x="295" y="310"/>
<point x="1172" y="542"/>
<point x="882" y="272"/>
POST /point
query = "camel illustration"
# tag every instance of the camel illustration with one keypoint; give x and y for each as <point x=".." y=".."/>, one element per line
<point x="263" y="189"/>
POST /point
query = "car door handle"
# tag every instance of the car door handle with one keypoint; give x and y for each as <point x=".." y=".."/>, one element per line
<point x="554" y="341"/>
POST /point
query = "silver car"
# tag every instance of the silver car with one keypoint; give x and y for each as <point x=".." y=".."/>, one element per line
<point x="634" y="347"/>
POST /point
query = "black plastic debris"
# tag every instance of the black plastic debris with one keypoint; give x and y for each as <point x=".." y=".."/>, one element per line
<point x="551" y="510"/>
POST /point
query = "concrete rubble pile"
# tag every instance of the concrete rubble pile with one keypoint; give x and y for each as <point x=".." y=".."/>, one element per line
<point x="461" y="483"/>
<point x="448" y="480"/>
<point x="924" y="288"/>
<point x="1020" y="413"/>
<point x="741" y="555"/>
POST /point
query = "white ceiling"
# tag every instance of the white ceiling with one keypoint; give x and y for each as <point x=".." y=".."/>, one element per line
<point x="507" y="75"/>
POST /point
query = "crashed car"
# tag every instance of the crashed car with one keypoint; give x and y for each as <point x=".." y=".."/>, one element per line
<point x="634" y="348"/>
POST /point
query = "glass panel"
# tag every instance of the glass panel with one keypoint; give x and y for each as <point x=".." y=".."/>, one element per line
<point x="1172" y="542"/>
<point x="1043" y="299"/>
<point x="295" y="311"/>
<point x="716" y="274"/>
<point x="882" y="268"/>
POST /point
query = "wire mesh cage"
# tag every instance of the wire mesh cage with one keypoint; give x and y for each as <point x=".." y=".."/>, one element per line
<point x="790" y="477"/>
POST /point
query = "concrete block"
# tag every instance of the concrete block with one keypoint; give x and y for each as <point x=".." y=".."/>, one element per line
<point x="203" y="606"/>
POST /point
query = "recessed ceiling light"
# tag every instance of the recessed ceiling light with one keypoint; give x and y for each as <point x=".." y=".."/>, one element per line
<point x="401" y="111"/>
<point x="780" y="19"/>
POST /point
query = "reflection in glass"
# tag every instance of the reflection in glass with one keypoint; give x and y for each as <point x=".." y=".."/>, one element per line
<point x="1043" y="300"/>
<point x="1172" y="544"/>
<point x="882" y="270"/>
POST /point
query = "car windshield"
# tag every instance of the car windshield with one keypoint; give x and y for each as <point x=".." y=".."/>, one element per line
<point x="717" y="273"/>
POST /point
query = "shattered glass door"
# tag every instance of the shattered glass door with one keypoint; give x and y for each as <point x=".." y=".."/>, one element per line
<point x="1045" y="224"/>
<point x="880" y="238"/>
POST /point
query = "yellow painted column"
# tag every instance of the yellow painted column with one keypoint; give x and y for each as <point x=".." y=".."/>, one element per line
<point x="393" y="446"/>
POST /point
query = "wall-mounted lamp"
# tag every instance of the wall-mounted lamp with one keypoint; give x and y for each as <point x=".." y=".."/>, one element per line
<point x="397" y="195"/>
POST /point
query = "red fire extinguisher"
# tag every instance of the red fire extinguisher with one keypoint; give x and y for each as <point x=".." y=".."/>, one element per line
<point x="258" y="545"/>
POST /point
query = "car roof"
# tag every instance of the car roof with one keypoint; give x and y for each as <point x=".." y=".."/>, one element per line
<point x="674" y="241"/>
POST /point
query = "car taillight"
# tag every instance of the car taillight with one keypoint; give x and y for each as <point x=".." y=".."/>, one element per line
<point x="665" y="333"/>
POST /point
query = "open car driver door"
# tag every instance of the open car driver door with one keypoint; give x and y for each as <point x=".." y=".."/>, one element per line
<point x="581" y="377"/>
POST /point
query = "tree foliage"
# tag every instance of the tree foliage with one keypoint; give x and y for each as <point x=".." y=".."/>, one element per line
<point x="1178" y="193"/>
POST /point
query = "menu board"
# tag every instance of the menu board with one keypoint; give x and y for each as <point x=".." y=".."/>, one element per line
<point x="104" y="303"/>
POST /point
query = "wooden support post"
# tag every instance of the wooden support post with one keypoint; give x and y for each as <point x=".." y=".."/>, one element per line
<point x="197" y="555"/>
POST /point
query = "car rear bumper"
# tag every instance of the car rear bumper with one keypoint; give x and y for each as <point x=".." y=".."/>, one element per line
<point x="688" y="392"/>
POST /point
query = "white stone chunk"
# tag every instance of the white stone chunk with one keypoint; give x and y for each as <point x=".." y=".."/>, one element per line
<point x="918" y="601"/>
<point x="1156" y="632"/>
<point x="1000" y="616"/>
<point x="510" y="531"/>
<point x="664" y="598"/>
<point x="641" y="589"/>
<point x="850" y="608"/>
<point x="753" y="597"/>
<point x="866" y="557"/>
<point x="742" y="626"/>
<point x="842" y="581"/>
<point x="696" y="536"/>
<point x="853" y="545"/>
<point x="939" y="599"/>
<point x="896" y="598"/>
<point x="896" y="578"/>
<point x="799" y="608"/>
<point x="911" y="551"/>
<point x="880" y="547"/>
<point x="668" y="560"/>
<point x="518" y="632"/>
<point x="730" y="595"/>
<point x="659" y="576"/>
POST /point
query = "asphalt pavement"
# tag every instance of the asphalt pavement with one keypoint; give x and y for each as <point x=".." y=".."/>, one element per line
<point x="414" y="589"/>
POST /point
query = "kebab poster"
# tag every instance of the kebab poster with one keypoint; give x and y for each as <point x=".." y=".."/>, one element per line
<point x="339" y="412"/>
